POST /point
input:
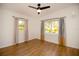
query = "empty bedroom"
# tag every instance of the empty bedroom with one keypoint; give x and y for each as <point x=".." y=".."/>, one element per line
<point x="39" y="29"/>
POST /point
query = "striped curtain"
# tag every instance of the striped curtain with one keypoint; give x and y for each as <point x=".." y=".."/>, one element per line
<point x="61" y="32"/>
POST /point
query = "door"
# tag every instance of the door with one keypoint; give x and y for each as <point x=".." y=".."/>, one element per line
<point x="21" y="30"/>
<point x="51" y="30"/>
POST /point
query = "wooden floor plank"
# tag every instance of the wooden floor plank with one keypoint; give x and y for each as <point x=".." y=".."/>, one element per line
<point x="37" y="48"/>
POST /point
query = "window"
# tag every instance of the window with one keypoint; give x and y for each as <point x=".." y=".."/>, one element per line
<point x="21" y="25"/>
<point x="51" y="26"/>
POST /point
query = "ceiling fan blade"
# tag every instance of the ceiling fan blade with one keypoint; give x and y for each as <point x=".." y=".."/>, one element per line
<point x="32" y="7"/>
<point x="44" y="7"/>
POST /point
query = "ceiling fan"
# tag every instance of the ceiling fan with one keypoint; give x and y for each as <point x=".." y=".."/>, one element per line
<point x="39" y="8"/>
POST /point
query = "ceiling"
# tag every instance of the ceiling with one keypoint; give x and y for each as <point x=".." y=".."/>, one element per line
<point x="24" y="9"/>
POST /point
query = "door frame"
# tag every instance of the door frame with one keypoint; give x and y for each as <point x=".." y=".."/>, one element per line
<point x="16" y="19"/>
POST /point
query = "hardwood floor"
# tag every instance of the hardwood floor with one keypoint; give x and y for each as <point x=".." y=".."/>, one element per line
<point x="37" y="48"/>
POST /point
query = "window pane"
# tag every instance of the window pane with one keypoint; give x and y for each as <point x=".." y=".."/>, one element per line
<point x="48" y="26"/>
<point x="55" y="26"/>
<point x="51" y="26"/>
<point x="21" y="25"/>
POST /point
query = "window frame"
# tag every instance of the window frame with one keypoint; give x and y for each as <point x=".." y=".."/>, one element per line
<point x="56" y="19"/>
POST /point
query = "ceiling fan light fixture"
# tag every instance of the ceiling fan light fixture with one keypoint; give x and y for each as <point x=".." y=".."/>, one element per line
<point x="38" y="10"/>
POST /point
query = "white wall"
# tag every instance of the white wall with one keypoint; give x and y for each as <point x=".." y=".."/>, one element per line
<point x="34" y="28"/>
<point x="7" y="27"/>
<point x="71" y="24"/>
<point x="0" y="25"/>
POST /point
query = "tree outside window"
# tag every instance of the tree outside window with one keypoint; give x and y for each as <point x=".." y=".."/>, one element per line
<point x="51" y="26"/>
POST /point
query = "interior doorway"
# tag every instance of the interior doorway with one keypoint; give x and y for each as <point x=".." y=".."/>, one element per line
<point x="20" y="30"/>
